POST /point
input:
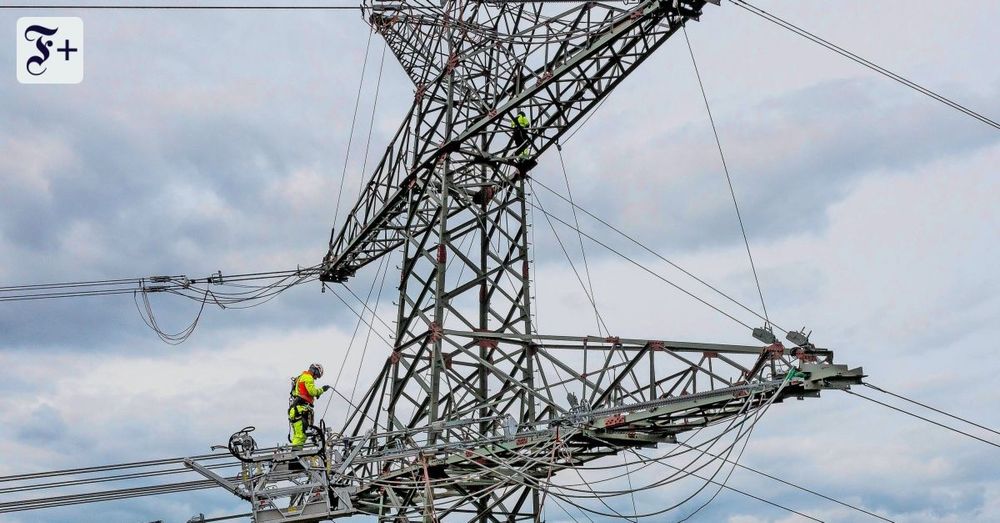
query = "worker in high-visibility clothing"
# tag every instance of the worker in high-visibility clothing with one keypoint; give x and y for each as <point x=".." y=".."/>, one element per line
<point x="521" y="136"/>
<point x="300" y="403"/>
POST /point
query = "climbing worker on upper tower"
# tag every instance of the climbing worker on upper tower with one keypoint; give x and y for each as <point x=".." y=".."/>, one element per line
<point x="300" y="402"/>
<point x="521" y="137"/>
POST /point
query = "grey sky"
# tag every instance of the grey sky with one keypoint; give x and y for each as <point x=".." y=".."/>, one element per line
<point x="202" y="141"/>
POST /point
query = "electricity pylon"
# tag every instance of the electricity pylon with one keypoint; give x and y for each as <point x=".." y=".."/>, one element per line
<point x="473" y="411"/>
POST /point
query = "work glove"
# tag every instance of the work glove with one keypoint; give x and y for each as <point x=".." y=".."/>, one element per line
<point x="326" y="388"/>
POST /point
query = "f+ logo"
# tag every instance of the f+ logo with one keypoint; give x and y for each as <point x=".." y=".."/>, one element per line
<point x="38" y="39"/>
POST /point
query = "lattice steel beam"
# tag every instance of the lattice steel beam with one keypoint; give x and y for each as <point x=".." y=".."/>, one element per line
<point x="450" y="193"/>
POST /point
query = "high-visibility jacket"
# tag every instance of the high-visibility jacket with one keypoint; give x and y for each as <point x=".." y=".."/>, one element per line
<point x="521" y="121"/>
<point x="305" y="388"/>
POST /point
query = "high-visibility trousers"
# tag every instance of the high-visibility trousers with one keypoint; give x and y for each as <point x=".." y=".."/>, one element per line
<point x="521" y="141"/>
<point x="299" y="417"/>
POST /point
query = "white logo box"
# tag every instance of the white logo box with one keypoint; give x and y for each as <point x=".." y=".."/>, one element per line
<point x="49" y="50"/>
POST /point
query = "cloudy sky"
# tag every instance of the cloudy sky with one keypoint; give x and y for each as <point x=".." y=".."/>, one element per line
<point x="205" y="141"/>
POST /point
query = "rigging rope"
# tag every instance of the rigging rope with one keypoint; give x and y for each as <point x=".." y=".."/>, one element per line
<point x="356" y="313"/>
<point x="576" y="220"/>
<point x="656" y="254"/>
<point x="368" y="336"/>
<point x="643" y="267"/>
<point x="725" y="168"/>
<point x="350" y="136"/>
<point x="366" y="307"/>
<point x="371" y="122"/>
<point x="572" y="265"/>
<point x="383" y="263"/>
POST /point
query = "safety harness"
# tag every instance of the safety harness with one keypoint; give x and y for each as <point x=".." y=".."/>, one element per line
<point x="296" y="414"/>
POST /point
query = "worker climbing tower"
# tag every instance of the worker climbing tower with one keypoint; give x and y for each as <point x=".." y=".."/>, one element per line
<point x="474" y="411"/>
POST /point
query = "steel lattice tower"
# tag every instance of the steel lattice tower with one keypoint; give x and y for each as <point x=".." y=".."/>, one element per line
<point x="468" y="371"/>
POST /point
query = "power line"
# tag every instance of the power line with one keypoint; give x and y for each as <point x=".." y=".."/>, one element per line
<point x="725" y="168"/>
<point x="105" y="468"/>
<point x="110" y="478"/>
<point x="862" y="61"/>
<point x="734" y="462"/>
<point x="693" y="473"/>
<point x="213" y="289"/>
<point x="176" y="284"/>
<point x="190" y="7"/>
<point x="276" y="7"/>
<point x="922" y="418"/>
<point x="800" y="487"/>
<point x="105" y="495"/>
<point x="939" y="411"/>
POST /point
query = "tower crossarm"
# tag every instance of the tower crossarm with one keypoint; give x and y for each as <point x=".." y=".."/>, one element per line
<point x="473" y="77"/>
<point x="386" y="470"/>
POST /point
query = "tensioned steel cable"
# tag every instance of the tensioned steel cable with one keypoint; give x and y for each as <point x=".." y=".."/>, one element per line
<point x="350" y="135"/>
<point x="572" y="265"/>
<point x="364" y="350"/>
<point x="924" y="405"/>
<point x="804" y="489"/>
<point x="710" y="480"/>
<point x="366" y="307"/>
<point x="63" y="285"/>
<point x="190" y="7"/>
<point x="735" y="462"/>
<point x="383" y="264"/>
<point x="105" y="468"/>
<point x="643" y="267"/>
<point x="576" y="220"/>
<point x="725" y="168"/>
<point x="176" y="284"/>
<point x="656" y="254"/>
<point x="106" y="495"/>
<point x="59" y="295"/>
<point x="356" y="313"/>
<point x="111" y="478"/>
<point x="371" y="123"/>
<point x="862" y="61"/>
<point x="988" y="442"/>
<point x="589" y="294"/>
